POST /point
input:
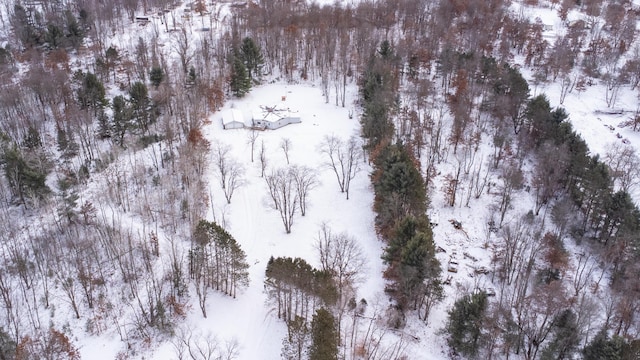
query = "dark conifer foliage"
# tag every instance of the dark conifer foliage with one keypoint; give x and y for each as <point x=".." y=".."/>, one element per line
<point x="465" y="323"/>
<point x="216" y="260"/>
<point x="240" y="82"/>
<point x="324" y="336"/>
<point x="298" y="288"/>
<point x="252" y="58"/>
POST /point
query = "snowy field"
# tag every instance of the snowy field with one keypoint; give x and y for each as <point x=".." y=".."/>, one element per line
<point x="258" y="228"/>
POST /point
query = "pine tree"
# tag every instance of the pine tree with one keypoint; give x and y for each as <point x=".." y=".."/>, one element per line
<point x="464" y="325"/>
<point x="399" y="187"/>
<point x="74" y="32"/>
<point x="156" y="75"/>
<point x="324" y="336"/>
<point x="140" y="106"/>
<point x="566" y="337"/>
<point x="218" y="257"/>
<point x="251" y="56"/>
<point x="121" y="119"/>
<point x="91" y="93"/>
<point x="104" y="127"/>
<point x="25" y="180"/>
<point x="7" y="346"/>
<point x="240" y="81"/>
<point x="54" y="36"/>
<point x="604" y="347"/>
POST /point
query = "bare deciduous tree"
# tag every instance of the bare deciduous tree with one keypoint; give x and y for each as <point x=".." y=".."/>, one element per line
<point x="340" y="255"/>
<point x="183" y="48"/>
<point x="252" y="136"/>
<point x="512" y="180"/>
<point x="584" y="270"/>
<point x="263" y="159"/>
<point x="343" y="159"/>
<point x="285" y="145"/>
<point x="188" y="344"/>
<point x="229" y="170"/>
<point x="305" y="179"/>
<point x="624" y="165"/>
<point x="282" y="188"/>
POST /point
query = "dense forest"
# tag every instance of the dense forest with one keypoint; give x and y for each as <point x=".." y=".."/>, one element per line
<point x="104" y="197"/>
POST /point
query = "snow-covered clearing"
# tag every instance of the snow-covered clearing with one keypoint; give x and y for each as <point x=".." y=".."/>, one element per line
<point x="258" y="228"/>
<point x="249" y="321"/>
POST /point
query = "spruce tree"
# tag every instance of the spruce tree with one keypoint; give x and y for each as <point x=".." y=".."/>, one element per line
<point x="25" y="180"/>
<point x="156" y="75"/>
<point x="240" y="81"/>
<point x="251" y="56"/>
<point x="604" y="347"/>
<point x="565" y="339"/>
<point x="121" y="119"/>
<point x="7" y="346"/>
<point x="324" y="336"/>
<point x="464" y="325"/>
<point x="91" y="93"/>
<point x="140" y="105"/>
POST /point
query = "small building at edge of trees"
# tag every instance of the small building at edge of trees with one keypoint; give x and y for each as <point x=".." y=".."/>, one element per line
<point x="232" y="119"/>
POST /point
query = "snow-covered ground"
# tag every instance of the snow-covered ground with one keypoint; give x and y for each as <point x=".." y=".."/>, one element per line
<point x="258" y="228"/>
<point x="248" y="320"/>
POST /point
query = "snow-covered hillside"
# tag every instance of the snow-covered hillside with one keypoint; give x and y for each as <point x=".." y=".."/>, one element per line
<point x="95" y="253"/>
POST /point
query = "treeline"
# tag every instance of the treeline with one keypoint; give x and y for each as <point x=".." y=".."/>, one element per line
<point x="297" y="288"/>
<point x="216" y="261"/>
<point x="400" y="193"/>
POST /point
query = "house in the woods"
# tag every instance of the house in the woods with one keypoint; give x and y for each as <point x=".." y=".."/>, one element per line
<point x="274" y="117"/>
<point x="232" y="119"/>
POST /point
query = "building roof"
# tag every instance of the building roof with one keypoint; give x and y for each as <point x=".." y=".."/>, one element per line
<point x="273" y="113"/>
<point x="231" y="116"/>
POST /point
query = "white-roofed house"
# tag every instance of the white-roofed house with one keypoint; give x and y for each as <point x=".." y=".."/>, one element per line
<point x="232" y="119"/>
<point x="274" y="117"/>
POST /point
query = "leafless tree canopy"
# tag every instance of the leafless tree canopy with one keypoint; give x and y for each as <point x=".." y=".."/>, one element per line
<point x="343" y="158"/>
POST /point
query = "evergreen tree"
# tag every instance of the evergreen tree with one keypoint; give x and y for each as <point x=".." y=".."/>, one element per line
<point x="240" y="82"/>
<point x="91" y="93"/>
<point x="74" y="31"/>
<point x="292" y="283"/>
<point x="111" y="58"/>
<point x="464" y="325"/>
<point x="140" y="106"/>
<point x="156" y="75"/>
<point x="191" y="77"/>
<point x="603" y="347"/>
<point x="511" y="92"/>
<point x="32" y="140"/>
<point x="418" y="267"/>
<point x="566" y="337"/>
<point x="5" y="55"/>
<point x="25" y="180"/>
<point x="121" y="119"/>
<point x="251" y="57"/>
<point x="54" y="36"/>
<point x="379" y="96"/>
<point x="399" y="187"/>
<point x="218" y="259"/>
<point x="324" y="336"/>
<point x="67" y="208"/>
<point x="7" y="346"/>
<point x="24" y="28"/>
<point x="410" y="254"/>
